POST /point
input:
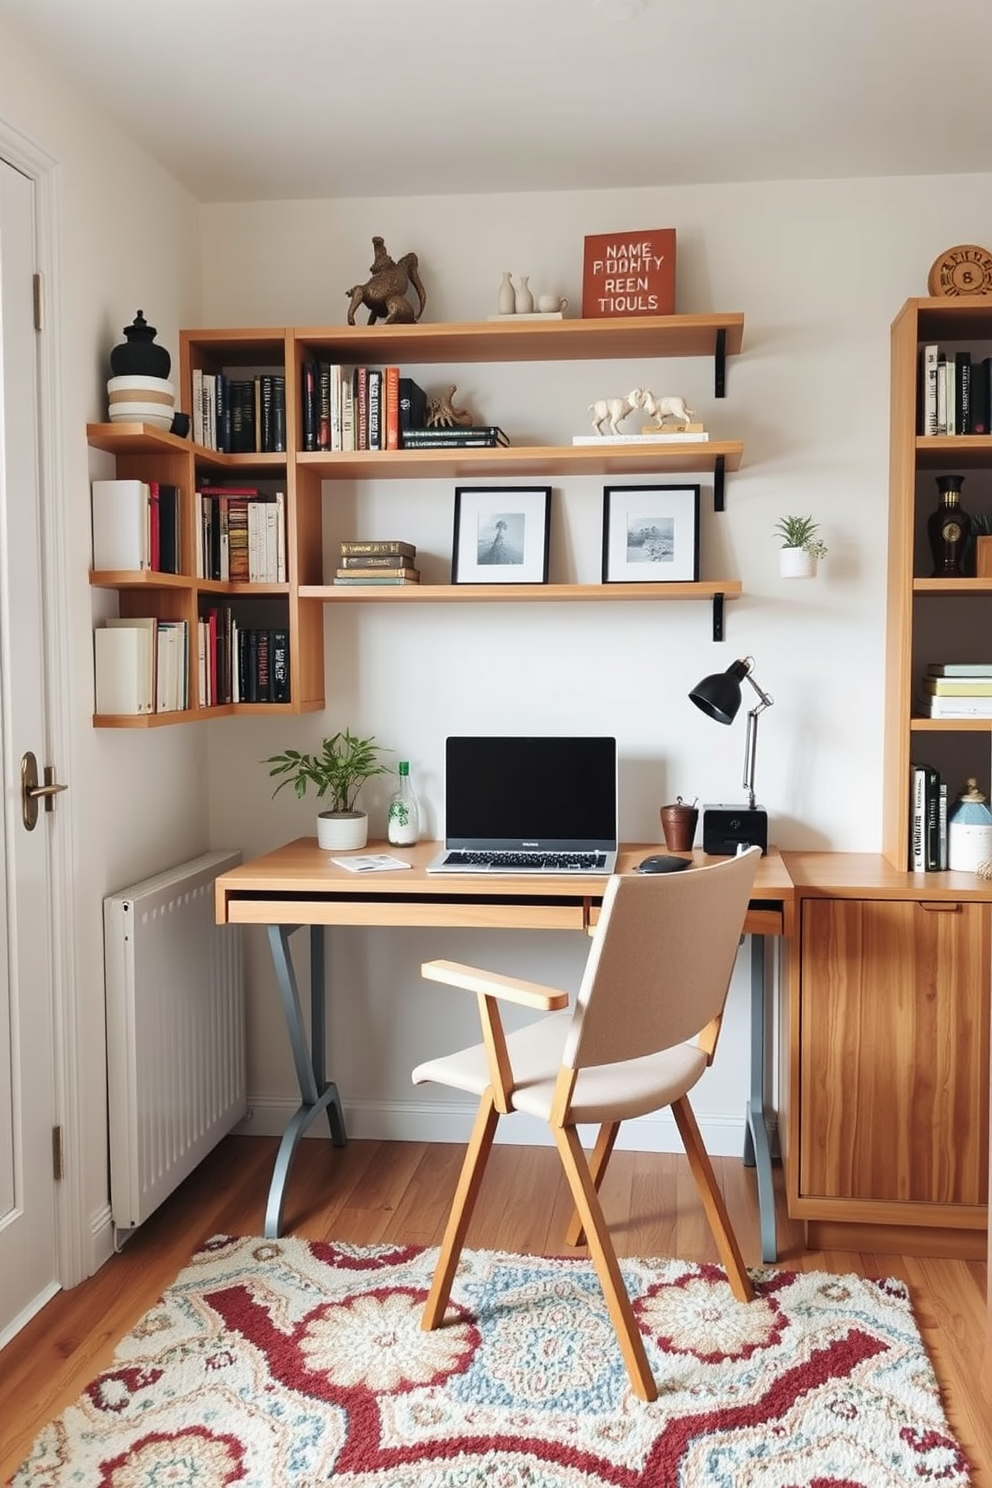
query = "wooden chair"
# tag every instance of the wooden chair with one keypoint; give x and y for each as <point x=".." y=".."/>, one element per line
<point x="644" y="1028"/>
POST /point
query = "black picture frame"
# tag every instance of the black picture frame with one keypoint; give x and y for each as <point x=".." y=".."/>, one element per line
<point x="650" y="534"/>
<point x="502" y="535"/>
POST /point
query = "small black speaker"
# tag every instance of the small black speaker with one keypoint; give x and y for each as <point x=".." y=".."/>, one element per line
<point x="726" y="828"/>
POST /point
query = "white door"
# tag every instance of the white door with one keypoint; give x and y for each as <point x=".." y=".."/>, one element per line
<point x="28" y="1251"/>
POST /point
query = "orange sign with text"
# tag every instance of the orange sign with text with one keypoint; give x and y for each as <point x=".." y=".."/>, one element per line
<point x="629" y="273"/>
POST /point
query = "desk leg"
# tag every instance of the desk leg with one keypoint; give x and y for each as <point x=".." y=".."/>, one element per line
<point x="318" y="1094"/>
<point x="757" y="1145"/>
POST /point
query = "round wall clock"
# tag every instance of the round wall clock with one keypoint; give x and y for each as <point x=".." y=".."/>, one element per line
<point x="964" y="270"/>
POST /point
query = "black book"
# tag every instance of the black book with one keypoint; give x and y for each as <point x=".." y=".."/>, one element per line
<point x="376" y="424"/>
<point x="241" y="397"/>
<point x="931" y="825"/>
<point x="311" y="395"/>
<point x="168" y="528"/>
<point x="263" y="673"/>
<point x="962" y="387"/>
<point x="413" y="405"/>
<point x="981" y="396"/>
<point x="487" y="435"/>
<point x="279" y="665"/>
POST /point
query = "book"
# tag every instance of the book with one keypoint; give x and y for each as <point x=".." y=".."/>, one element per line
<point x="279" y="650"/>
<point x="360" y="387"/>
<point x="379" y="545"/>
<point x="121" y="527"/>
<point x="917" y="818"/>
<point x="376" y="429"/>
<point x="659" y="438"/>
<point x="962" y="384"/>
<point x="311" y="377"/>
<point x="959" y="707"/>
<point x="378" y="578"/>
<point x="126" y="665"/>
<point x="931" y="825"/>
<point x="959" y="669"/>
<point x="412" y="404"/>
<point x="391" y="402"/>
<point x="941" y="426"/>
<point x="412" y="575"/>
<point x="629" y="273"/>
<point x="958" y="686"/>
<point x="928" y="376"/>
<point x="981" y="396"/>
<point x="374" y="560"/>
<point x="485" y="435"/>
<point x="169" y="509"/>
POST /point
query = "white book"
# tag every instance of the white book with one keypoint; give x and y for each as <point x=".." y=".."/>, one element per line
<point x="917" y="821"/>
<point x="347" y="415"/>
<point x="123" y="654"/>
<point x="659" y="438"/>
<point x="256" y="550"/>
<point x="201" y="662"/>
<point x="280" y="505"/>
<point x="121" y="525"/>
<point x="931" y="355"/>
<point x="959" y="707"/>
<point x="271" y="560"/>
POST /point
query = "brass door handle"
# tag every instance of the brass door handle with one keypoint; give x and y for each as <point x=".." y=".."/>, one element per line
<point x="32" y="792"/>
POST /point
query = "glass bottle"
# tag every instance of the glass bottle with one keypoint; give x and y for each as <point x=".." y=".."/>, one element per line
<point x="948" y="529"/>
<point x="403" y="821"/>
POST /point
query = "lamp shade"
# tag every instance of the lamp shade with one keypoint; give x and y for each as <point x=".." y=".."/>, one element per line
<point x="719" y="694"/>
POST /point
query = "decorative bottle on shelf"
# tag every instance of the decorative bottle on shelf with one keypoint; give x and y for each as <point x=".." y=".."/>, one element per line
<point x="948" y="529"/>
<point x="506" y="297"/>
<point x="969" y="830"/>
<point x="138" y="355"/>
<point x="524" y="299"/>
<point x="403" y="821"/>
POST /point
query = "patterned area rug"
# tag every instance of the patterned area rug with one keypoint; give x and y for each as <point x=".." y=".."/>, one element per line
<point x="288" y="1364"/>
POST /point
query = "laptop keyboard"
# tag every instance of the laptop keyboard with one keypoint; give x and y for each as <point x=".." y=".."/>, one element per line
<point x="533" y="862"/>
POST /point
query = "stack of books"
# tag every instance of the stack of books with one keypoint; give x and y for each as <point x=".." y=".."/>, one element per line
<point x="958" y="690"/>
<point x="382" y="561"/>
<point x="927" y="820"/>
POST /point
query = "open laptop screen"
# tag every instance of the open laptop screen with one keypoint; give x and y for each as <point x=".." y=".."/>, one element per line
<point x="534" y="791"/>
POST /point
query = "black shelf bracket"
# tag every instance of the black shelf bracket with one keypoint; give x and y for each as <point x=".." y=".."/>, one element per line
<point x="719" y="471"/>
<point x="718" y="634"/>
<point x="720" y="365"/>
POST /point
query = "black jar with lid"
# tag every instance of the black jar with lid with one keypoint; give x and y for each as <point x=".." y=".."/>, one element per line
<point x="138" y="355"/>
<point x="948" y="529"/>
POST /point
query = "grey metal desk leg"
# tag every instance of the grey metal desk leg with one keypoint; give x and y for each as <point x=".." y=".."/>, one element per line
<point x="318" y="1094"/>
<point x="757" y="1144"/>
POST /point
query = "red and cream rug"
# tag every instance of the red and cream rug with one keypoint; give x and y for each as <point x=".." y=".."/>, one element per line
<point x="288" y="1364"/>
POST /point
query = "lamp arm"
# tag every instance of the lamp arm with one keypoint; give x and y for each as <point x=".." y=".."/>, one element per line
<point x="751" y="738"/>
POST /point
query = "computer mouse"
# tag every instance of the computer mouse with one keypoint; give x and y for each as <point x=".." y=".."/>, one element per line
<point x="659" y="863"/>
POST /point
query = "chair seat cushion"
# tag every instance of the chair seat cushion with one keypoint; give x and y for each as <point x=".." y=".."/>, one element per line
<point x="609" y="1092"/>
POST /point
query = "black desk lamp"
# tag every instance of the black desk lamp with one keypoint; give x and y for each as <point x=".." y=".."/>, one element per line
<point x="727" y="828"/>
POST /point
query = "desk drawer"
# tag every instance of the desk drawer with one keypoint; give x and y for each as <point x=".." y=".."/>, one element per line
<point x="433" y="911"/>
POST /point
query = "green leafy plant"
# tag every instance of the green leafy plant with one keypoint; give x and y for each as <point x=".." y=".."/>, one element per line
<point x="800" y="532"/>
<point x="340" y="770"/>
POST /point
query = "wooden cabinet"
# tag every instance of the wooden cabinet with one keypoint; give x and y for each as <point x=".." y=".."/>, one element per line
<point x="298" y="604"/>
<point x="886" y="1032"/>
<point x="930" y="619"/>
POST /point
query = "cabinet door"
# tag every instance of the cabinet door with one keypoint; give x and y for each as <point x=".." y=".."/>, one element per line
<point x="894" y="1033"/>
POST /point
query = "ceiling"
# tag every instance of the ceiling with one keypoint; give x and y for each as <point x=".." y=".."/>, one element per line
<point x="280" y="99"/>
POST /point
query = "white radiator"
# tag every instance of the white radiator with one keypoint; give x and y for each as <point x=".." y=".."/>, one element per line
<point x="175" y="1031"/>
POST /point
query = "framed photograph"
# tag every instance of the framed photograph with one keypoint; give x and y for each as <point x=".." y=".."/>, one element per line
<point x="502" y="535"/>
<point x="650" y="534"/>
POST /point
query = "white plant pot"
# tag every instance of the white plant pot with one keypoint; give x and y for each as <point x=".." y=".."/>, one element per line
<point x="342" y="831"/>
<point x="796" y="563"/>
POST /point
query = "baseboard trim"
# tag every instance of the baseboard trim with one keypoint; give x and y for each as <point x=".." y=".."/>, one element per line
<point x="445" y="1121"/>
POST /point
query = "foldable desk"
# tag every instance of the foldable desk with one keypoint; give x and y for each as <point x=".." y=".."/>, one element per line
<point x="297" y="885"/>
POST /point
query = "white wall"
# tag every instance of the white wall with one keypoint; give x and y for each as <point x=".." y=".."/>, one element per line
<point x="127" y="236"/>
<point x="819" y="270"/>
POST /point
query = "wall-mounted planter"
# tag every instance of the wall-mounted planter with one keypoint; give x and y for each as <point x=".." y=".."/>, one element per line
<point x="796" y="563"/>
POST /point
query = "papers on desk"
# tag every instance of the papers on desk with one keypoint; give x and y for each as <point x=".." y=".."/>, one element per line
<point x="371" y="863"/>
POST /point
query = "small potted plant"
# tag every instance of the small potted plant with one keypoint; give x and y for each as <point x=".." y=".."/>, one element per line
<point x="801" y="548"/>
<point x="339" y="771"/>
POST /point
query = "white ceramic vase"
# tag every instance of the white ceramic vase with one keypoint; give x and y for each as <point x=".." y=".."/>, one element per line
<point x="796" y="563"/>
<point x="506" y="297"/>
<point x="524" y="299"/>
<point x="342" y="831"/>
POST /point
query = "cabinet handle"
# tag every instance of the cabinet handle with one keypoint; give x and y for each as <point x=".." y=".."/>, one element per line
<point x="941" y="906"/>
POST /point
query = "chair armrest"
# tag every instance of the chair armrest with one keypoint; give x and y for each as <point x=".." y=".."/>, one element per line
<point x="492" y="984"/>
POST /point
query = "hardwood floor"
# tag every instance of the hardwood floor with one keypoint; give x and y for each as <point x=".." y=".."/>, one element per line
<point x="381" y="1191"/>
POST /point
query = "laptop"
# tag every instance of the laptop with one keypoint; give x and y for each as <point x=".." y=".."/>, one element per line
<point x="529" y="805"/>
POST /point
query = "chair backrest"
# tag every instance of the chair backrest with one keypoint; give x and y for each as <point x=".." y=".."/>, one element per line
<point x="661" y="960"/>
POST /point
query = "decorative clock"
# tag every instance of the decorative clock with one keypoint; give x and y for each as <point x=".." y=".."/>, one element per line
<point x="964" y="270"/>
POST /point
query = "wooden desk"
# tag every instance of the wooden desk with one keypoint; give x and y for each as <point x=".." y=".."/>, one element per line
<point x="297" y="885"/>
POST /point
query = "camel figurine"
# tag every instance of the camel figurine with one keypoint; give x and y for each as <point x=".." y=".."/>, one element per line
<point x="384" y="293"/>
